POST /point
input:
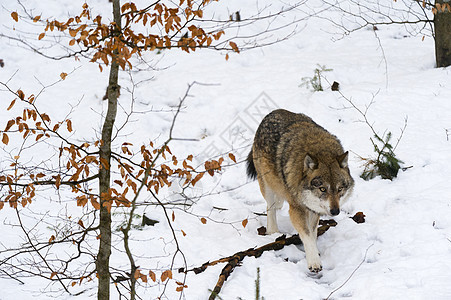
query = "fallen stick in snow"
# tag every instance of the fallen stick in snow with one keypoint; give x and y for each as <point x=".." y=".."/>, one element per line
<point x="279" y="243"/>
<point x="234" y="260"/>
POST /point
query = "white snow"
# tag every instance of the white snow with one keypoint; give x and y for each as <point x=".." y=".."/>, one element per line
<point x="402" y="251"/>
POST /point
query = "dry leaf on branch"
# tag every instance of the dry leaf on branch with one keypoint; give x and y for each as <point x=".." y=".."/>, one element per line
<point x="15" y="16"/>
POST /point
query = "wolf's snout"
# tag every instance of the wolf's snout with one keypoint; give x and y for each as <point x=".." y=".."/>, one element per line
<point x="334" y="211"/>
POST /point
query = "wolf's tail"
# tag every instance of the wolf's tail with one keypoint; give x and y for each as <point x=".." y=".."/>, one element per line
<point x="251" y="171"/>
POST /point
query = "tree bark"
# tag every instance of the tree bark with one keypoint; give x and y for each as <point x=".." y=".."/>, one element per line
<point x="103" y="256"/>
<point x="442" y="25"/>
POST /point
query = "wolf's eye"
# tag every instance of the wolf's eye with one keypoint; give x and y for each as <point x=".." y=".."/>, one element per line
<point x="322" y="189"/>
<point x="340" y="189"/>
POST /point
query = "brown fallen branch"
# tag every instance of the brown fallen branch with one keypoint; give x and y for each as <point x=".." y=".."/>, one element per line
<point x="235" y="260"/>
<point x="279" y="243"/>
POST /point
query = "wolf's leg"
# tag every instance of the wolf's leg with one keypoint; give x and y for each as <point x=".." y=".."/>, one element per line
<point x="273" y="203"/>
<point x="306" y="223"/>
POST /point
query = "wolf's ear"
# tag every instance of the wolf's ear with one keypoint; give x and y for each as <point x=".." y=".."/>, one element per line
<point x="310" y="163"/>
<point x="343" y="159"/>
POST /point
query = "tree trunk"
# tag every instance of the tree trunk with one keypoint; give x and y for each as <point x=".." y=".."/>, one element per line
<point x="103" y="257"/>
<point x="442" y="25"/>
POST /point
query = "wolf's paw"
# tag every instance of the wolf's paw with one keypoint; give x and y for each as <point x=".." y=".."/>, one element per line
<point x="313" y="261"/>
<point x="315" y="268"/>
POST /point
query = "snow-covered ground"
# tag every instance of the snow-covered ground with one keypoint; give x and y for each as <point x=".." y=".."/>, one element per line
<point x="402" y="251"/>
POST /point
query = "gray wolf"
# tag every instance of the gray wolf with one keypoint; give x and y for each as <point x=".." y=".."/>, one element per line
<point x="298" y="161"/>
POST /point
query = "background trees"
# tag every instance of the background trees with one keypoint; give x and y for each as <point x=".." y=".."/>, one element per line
<point x="442" y="25"/>
<point x="418" y="17"/>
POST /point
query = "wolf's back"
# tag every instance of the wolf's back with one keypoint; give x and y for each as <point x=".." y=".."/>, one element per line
<point x="273" y="126"/>
<point x="269" y="134"/>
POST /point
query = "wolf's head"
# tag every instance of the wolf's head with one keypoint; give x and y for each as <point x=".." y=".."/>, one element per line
<point x="326" y="184"/>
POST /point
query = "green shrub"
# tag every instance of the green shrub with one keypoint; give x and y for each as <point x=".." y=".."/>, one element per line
<point x="315" y="81"/>
<point x="386" y="164"/>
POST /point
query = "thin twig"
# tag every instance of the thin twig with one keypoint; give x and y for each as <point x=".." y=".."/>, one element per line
<point x="352" y="274"/>
<point x="383" y="56"/>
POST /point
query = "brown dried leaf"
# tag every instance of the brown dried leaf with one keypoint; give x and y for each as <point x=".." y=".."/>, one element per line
<point x="203" y="220"/>
<point x="80" y="222"/>
<point x="152" y="276"/>
<point x="234" y="47"/>
<point x="58" y="181"/>
<point x="261" y="230"/>
<point x="82" y="200"/>
<point x="104" y="163"/>
<point x="143" y="278"/>
<point x="165" y="275"/>
<point x="137" y="274"/>
<point x="39" y="136"/>
<point x="359" y="217"/>
<point x="40" y="175"/>
<point x="63" y="75"/>
<point x="210" y="166"/>
<point x="45" y="117"/>
<point x="69" y="125"/>
<point x="11" y="105"/>
<point x="15" y="16"/>
<point x="52" y="238"/>
<point x="244" y="223"/>
<point x="41" y="36"/>
<point x="232" y="157"/>
<point x="197" y="178"/>
<point x="5" y="139"/>
<point x="9" y="124"/>
<point x="20" y="94"/>
<point x="90" y="158"/>
<point x="181" y="287"/>
<point x="95" y="204"/>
